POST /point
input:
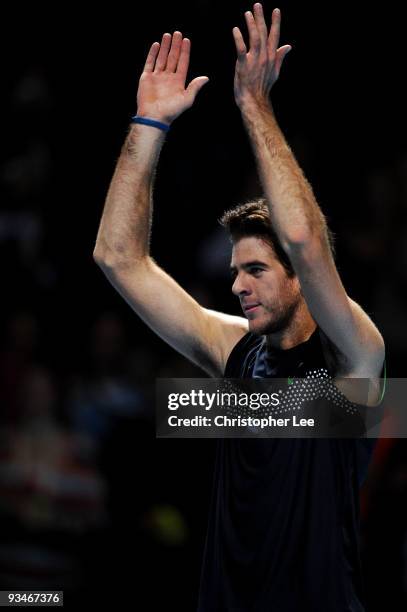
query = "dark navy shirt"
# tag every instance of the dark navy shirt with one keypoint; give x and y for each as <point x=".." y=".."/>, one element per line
<point x="283" y="533"/>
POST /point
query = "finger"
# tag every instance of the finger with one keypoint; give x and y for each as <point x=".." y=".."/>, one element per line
<point x="239" y="43"/>
<point x="274" y="35"/>
<point x="183" y="61"/>
<point x="280" y="55"/>
<point x="261" y="24"/>
<point x="174" y="53"/>
<point x="254" y="37"/>
<point x="163" y="53"/>
<point x="196" y="85"/>
<point x="151" y="57"/>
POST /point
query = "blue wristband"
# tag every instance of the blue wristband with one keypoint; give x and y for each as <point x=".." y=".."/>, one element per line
<point x="152" y="122"/>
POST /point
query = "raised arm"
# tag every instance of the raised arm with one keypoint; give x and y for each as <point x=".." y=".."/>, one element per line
<point x="122" y="247"/>
<point x="295" y="214"/>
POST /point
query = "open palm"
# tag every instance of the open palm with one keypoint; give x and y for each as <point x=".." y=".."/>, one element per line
<point x="258" y="69"/>
<point x="162" y="94"/>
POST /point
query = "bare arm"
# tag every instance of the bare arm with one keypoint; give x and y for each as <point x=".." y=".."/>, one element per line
<point x="124" y="230"/>
<point x="294" y="211"/>
<point x="122" y="247"/>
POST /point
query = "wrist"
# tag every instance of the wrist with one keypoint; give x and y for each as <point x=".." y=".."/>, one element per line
<point x="150" y="122"/>
<point x="143" y="137"/>
<point x="254" y="104"/>
<point x="154" y="116"/>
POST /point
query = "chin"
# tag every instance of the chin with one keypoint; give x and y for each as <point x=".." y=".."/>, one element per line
<point x="260" y="327"/>
<point x="265" y="327"/>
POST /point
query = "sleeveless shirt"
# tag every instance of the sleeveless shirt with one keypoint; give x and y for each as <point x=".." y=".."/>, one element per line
<point x="283" y="532"/>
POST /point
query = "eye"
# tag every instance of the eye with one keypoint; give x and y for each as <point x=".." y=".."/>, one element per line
<point x="256" y="270"/>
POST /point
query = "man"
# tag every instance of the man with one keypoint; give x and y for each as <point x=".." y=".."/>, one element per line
<point x="283" y="527"/>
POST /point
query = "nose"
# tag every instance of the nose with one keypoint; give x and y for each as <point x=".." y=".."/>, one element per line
<point x="240" y="286"/>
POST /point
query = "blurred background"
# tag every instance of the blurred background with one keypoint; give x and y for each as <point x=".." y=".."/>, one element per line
<point x="90" y="501"/>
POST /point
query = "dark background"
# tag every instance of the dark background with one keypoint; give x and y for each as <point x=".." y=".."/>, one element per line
<point x="91" y="501"/>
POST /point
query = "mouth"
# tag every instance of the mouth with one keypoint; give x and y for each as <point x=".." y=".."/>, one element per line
<point x="250" y="307"/>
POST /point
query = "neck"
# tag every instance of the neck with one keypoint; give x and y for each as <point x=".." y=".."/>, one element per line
<point x="298" y="330"/>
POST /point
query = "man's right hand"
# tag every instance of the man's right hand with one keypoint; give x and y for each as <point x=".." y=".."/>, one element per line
<point x="161" y="93"/>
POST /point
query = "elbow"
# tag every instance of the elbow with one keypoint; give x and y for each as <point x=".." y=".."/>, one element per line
<point x="296" y="240"/>
<point x="307" y="241"/>
<point x="311" y="230"/>
<point x="97" y="257"/>
<point x="102" y="259"/>
<point x="302" y="243"/>
<point x="105" y="260"/>
<point x="109" y="261"/>
<point x="107" y="257"/>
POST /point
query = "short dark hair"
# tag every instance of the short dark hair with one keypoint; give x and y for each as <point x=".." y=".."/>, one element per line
<point x="253" y="219"/>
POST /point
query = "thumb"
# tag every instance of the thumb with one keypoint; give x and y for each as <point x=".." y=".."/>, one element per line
<point x="280" y="56"/>
<point x="195" y="86"/>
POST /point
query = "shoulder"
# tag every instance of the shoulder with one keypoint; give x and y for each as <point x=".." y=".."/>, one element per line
<point x="372" y="348"/>
<point x="370" y="352"/>
<point x="362" y="385"/>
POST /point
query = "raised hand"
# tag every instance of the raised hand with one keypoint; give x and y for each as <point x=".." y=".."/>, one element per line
<point x="161" y="93"/>
<point x="258" y="69"/>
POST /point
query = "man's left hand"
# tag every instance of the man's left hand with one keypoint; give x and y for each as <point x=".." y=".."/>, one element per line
<point x="258" y="69"/>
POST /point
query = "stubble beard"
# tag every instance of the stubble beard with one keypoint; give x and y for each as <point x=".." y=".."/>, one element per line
<point x="281" y="319"/>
